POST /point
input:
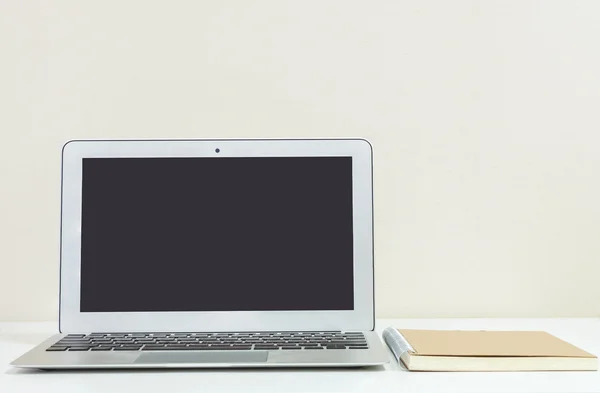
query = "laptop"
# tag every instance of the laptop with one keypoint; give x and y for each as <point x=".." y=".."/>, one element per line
<point x="215" y="253"/>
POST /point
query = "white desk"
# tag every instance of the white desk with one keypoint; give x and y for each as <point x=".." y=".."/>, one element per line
<point x="17" y="338"/>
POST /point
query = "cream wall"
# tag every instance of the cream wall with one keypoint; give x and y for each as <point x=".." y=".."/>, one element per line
<point x="484" y="116"/>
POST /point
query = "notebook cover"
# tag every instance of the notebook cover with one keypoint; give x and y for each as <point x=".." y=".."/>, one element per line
<point x="489" y="343"/>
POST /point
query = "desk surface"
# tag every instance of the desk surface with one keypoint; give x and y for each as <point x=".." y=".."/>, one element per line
<point x="17" y="338"/>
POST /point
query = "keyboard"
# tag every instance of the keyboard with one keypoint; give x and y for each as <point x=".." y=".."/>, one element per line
<point x="269" y="341"/>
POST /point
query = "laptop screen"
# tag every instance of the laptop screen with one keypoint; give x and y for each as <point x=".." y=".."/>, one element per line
<point x="217" y="234"/>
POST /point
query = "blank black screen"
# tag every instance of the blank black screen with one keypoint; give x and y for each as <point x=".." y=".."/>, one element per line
<point x="216" y="234"/>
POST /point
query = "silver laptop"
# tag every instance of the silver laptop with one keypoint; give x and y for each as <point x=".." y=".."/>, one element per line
<point x="215" y="253"/>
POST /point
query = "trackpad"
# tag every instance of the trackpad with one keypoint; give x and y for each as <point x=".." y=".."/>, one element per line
<point x="202" y="357"/>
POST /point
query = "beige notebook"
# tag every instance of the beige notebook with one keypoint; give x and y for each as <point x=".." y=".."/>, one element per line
<point x="460" y="350"/>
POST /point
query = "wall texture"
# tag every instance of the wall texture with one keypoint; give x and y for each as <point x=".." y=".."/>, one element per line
<point x="484" y="117"/>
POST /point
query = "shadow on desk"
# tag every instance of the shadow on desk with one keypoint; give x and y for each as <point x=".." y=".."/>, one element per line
<point x="299" y="370"/>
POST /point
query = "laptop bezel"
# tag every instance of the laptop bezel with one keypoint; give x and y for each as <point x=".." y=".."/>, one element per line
<point x="72" y="320"/>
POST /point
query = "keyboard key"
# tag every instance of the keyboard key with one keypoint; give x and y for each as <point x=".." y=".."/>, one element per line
<point x="313" y="347"/>
<point x="268" y="347"/>
<point x="241" y="345"/>
<point x="79" y="348"/>
<point x="198" y="346"/>
<point x="336" y="342"/>
<point x="70" y="343"/>
<point x="175" y="345"/>
<point x="56" y="349"/>
<point x="78" y="345"/>
<point x="336" y="346"/>
<point x="101" y="349"/>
